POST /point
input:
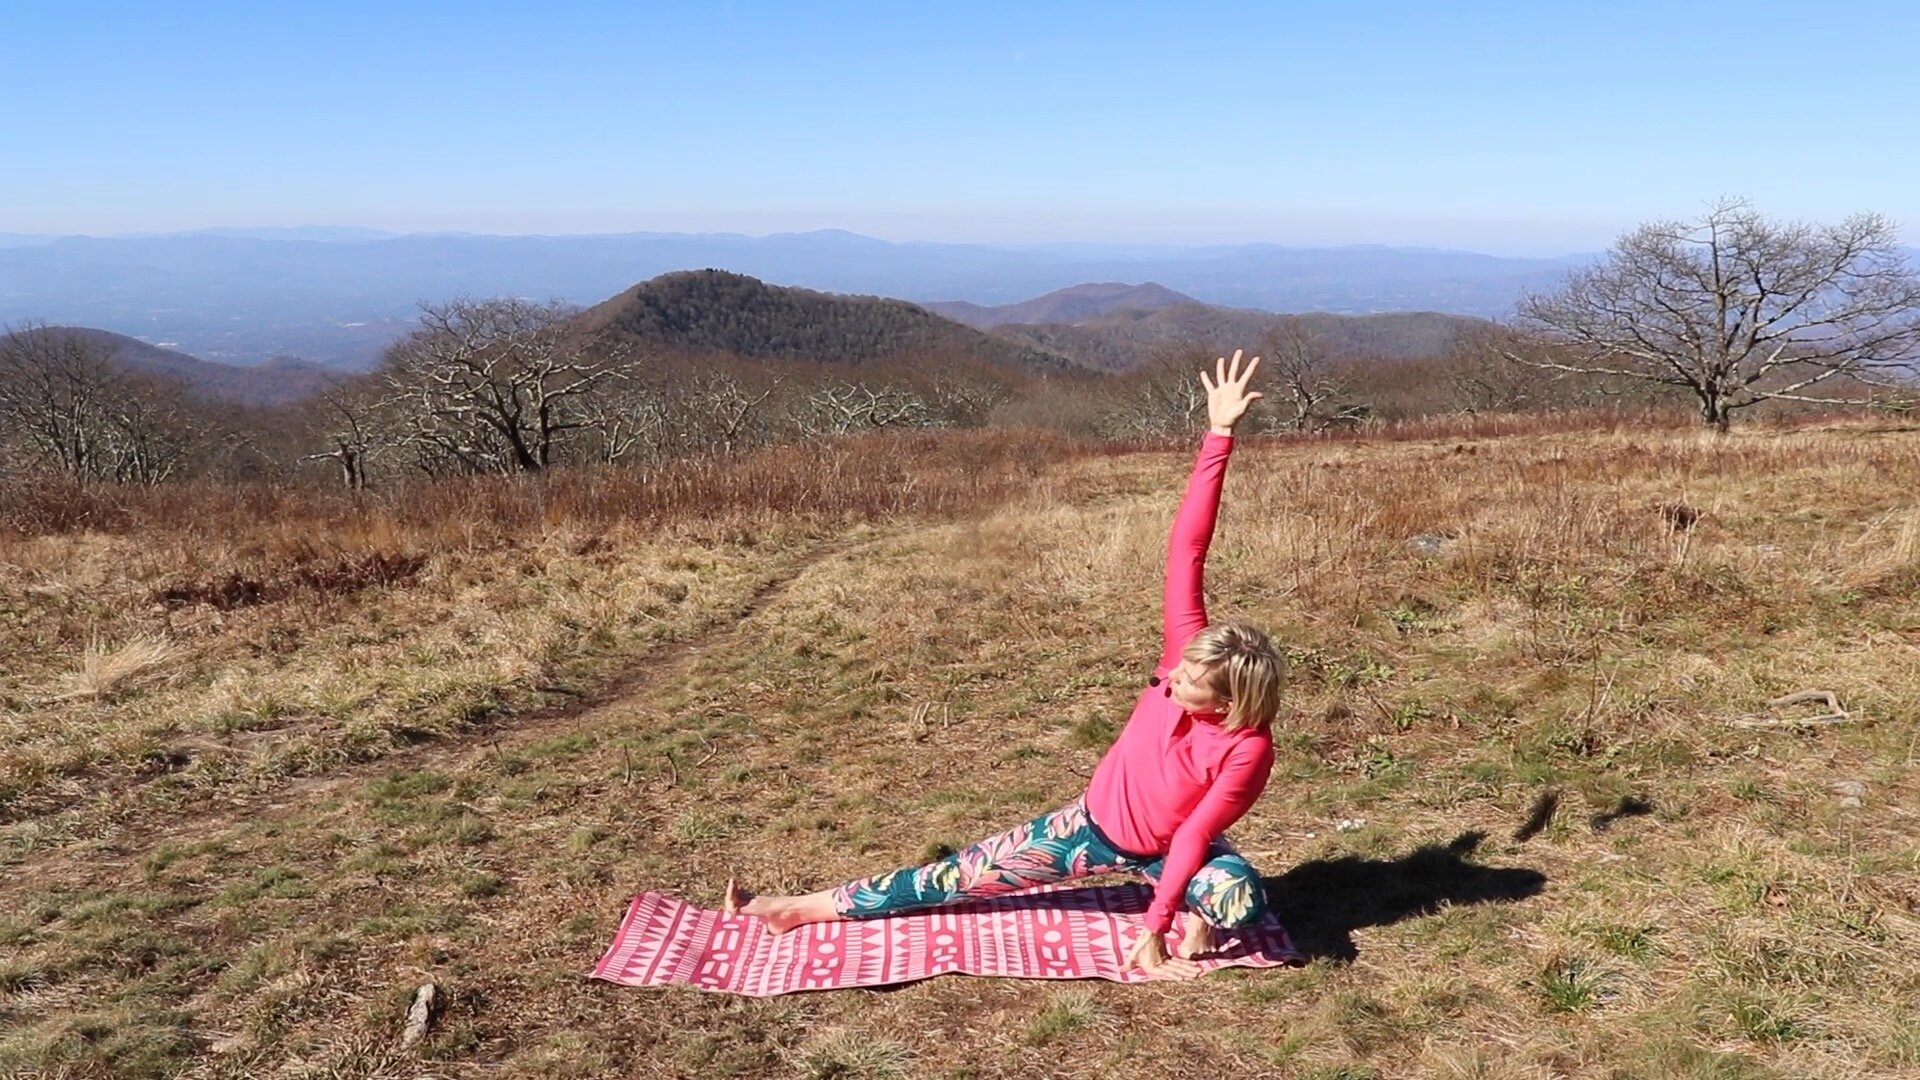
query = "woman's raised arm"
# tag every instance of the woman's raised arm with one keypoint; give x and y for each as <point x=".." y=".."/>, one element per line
<point x="1184" y="611"/>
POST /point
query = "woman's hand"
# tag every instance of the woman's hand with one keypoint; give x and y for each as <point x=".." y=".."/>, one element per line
<point x="1227" y="396"/>
<point x="1150" y="955"/>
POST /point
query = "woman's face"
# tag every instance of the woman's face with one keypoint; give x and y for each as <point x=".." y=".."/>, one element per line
<point x="1189" y="689"/>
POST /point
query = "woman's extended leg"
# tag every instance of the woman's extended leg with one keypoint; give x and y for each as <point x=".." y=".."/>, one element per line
<point x="1226" y="893"/>
<point x="1052" y="847"/>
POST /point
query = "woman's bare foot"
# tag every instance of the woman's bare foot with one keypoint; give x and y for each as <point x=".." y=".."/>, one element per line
<point x="1198" y="940"/>
<point x="779" y="913"/>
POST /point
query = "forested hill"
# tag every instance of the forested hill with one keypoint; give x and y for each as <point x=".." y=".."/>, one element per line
<point x="717" y="311"/>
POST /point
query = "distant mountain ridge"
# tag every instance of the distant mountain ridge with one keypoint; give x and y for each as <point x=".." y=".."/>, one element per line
<point x="1125" y="339"/>
<point x="242" y="297"/>
<point x="1074" y="304"/>
<point x="718" y="311"/>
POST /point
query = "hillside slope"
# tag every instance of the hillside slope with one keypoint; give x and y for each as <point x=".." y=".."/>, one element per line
<point x="1126" y="339"/>
<point x="714" y="310"/>
<point x="279" y="381"/>
<point x="1074" y="304"/>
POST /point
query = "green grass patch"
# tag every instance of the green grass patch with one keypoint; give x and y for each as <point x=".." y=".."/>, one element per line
<point x="482" y="885"/>
<point x="19" y="976"/>
<point x="127" y="1043"/>
<point x="268" y="882"/>
<point x="1770" y="1020"/>
<point x="569" y="745"/>
<point x="1635" y="941"/>
<point x="1095" y="732"/>
<point x="700" y="827"/>
<point x="841" y="1054"/>
<point x="1069" y="1010"/>
<point x="406" y="787"/>
<point x="1573" y="985"/>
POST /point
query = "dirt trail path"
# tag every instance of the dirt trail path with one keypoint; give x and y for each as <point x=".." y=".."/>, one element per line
<point x="643" y="670"/>
<point x="101" y="861"/>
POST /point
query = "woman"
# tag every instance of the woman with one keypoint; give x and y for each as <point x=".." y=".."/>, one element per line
<point x="1191" y="760"/>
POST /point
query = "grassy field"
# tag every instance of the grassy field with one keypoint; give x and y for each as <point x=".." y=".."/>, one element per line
<point x="254" y="790"/>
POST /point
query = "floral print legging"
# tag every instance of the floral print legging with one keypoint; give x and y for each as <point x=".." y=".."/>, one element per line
<point x="1052" y="847"/>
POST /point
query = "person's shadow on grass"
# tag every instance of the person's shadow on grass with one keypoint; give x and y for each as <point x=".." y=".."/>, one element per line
<point x="1321" y="903"/>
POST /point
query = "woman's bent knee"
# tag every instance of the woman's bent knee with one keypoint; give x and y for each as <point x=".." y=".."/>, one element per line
<point x="1227" y="898"/>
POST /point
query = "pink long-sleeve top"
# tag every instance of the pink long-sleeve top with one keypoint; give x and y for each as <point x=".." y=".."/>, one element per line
<point x="1175" y="780"/>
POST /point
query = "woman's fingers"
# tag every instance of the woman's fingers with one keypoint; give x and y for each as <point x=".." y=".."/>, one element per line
<point x="1173" y="967"/>
<point x="1149" y="954"/>
<point x="1228" y="373"/>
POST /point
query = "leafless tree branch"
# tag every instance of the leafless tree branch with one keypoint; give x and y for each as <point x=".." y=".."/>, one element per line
<point x="1727" y="305"/>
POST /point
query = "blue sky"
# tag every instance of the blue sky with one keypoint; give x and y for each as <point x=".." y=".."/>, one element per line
<point x="1524" y="128"/>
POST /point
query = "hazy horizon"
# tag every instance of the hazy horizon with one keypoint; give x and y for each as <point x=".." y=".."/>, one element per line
<point x="359" y="231"/>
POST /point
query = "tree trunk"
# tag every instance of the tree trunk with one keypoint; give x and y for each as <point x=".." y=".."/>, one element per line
<point x="1714" y="412"/>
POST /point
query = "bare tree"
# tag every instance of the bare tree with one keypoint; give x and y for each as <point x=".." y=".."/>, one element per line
<point x="354" y="429"/>
<point x="56" y="393"/>
<point x="850" y="405"/>
<point x="67" y="398"/>
<point x="674" y="408"/>
<point x="1302" y="371"/>
<point x="493" y="385"/>
<point x="957" y="400"/>
<point x="1481" y="377"/>
<point x="152" y="431"/>
<point x="634" y="419"/>
<point x="1736" y="309"/>
<point x="1159" y="397"/>
<point x="731" y="406"/>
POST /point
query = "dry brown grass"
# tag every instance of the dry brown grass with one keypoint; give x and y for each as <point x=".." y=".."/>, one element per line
<point x="103" y="669"/>
<point x="923" y="471"/>
<point x="1474" y="619"/>
<point x="299" y="632"/>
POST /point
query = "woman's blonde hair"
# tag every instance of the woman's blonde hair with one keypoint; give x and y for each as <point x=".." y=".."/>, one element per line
<point x="1245" y="667"/>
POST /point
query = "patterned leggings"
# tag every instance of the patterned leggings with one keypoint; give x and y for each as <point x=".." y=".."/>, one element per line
<point x="1052" y="847"/>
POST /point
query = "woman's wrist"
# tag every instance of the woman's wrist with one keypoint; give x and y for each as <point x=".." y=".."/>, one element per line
<point x="1225" y="431"/>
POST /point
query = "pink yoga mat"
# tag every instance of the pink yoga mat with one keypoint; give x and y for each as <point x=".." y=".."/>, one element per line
<point x="1049" y="933"/>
